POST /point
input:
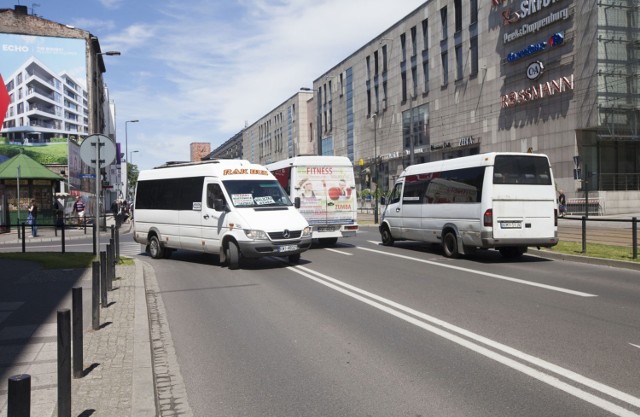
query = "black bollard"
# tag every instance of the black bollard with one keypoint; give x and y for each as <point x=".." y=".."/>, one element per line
<point x="103" y="279"/>
<point x="64" y="363"/>
<point x="634" y="236"/>
<point x="95" y="241"/>
<point x="95" y="295"/>
<point x="117" y="245"/>
<point x="78" y="356"/>
<point x="109" y="253"/>
<point x="63" y="242"/>
<point x="19" y="396"/>
<point x="584" y="234"/>
<point x="24" y="242"/>
<point x="113" y="260"/>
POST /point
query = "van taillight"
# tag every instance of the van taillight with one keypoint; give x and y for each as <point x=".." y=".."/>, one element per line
<point x="488" y="218"/>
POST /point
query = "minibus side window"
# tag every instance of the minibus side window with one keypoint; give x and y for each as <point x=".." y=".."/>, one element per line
<point x="395" y="194"/>
<point x="214" y="192"/>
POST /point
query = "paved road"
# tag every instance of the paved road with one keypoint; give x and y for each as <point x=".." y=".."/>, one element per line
<point x="359" y="329"/>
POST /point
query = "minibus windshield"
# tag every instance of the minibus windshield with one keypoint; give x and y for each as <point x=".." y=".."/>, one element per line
<point x="256" y="193"/>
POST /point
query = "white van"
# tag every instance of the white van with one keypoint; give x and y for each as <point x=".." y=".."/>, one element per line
<point x="326" y="188"/>
<point x="232" y="208"/>
<point x="505" y="201"/>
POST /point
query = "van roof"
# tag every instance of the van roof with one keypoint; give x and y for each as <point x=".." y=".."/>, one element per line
<point x="209" y="168"/>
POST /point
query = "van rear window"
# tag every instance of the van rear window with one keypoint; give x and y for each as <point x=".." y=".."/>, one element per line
<point x="521" y="169"/>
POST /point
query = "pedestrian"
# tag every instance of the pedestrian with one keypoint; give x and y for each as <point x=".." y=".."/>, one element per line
<point x="562" y="203"/>
<point x="58" y="208"/>
<point x="32" y="218"/>
<point x="115" y="209"/>
<point x="78" y="209"/>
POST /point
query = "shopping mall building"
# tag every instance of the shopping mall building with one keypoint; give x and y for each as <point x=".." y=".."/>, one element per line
<point x="455" y="78"/>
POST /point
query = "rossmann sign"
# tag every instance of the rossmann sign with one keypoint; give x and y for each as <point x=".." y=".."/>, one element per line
<point x="538" y="91"/>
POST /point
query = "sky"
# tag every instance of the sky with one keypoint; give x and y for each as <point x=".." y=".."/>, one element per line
<point x="200" y="70"/>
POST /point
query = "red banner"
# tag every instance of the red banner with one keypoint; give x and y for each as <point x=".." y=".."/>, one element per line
<point x="4" y="101"/>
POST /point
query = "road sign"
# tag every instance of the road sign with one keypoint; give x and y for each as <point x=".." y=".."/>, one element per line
<point x="4" y="101"/>
<point x="107" y="150"/>
<point x="87" y="175"/>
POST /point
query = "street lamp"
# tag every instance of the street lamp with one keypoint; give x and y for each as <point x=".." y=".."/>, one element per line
<point x="96" y="130"/>
<point x="126" y="153"/>
<point x="130" y="159"/>
<point x="374" y="116"/>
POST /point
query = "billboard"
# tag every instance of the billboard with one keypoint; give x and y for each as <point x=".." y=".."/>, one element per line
<point x="46" y="80"/>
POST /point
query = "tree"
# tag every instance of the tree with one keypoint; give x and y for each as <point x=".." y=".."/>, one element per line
<point x="132" y="177"/>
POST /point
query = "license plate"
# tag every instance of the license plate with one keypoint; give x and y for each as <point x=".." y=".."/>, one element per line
<point x="511" y="225"/>
<point x="287" y="248"/>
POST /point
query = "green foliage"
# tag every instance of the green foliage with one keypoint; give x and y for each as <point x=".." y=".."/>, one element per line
<point x="58" y="140"/>
<point x="595" y="250"/>
<point x="51" y="154"/>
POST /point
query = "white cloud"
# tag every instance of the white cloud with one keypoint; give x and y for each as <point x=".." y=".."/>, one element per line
<point x="213" y="67"/>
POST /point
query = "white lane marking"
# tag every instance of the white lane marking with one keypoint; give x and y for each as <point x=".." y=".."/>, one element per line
<point x="354" y="292"/>
<point x="634" y="345"/>
<point x="486" y="274"/>
<point x="339" y="251"/>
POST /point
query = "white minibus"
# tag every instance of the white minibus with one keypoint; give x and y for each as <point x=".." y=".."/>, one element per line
<point x="504" y="201"/>
<point x="326" y="188"/>
<point x="232" y="208"/>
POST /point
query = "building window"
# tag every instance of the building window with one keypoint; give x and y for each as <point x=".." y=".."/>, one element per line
<point x="457" y="6"/>
<point x="384" y="59"/>
<point x="368" y="67"/>
<point x="425" y="34"/>
<point x="443" y="20"/>
<point x="445" y="68"/>
<point x="425" y="72"/>
<point x="404" y="86"/>
<point x="473" y="12"/>
<point x="414" y="80"/>
<point x="473" y="42"/>
<point x="458" y="62"/>
<point x="403" y="45"/>
<point x="375" y="63"/>
<point x="414" y="42"/>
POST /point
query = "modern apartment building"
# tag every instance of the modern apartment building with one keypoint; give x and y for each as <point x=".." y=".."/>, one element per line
<point x="44" y="105"/>
<point x="456" y="77"/>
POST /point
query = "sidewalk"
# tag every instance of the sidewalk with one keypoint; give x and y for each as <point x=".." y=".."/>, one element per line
<point x="117" y="363"/>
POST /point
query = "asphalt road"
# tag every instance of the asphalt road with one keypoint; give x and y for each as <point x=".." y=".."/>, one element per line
<point x="360" y="329"/>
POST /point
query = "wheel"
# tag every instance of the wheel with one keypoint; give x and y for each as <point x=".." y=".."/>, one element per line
<point x="450" y="244"/>
<point x="512" y="252"/>
<point x="233" y="256"/>
<point x="328" y="241"/>
<point x="155" y="249"/>
<point x="385" y="235"/>
<point x="295" y="258"/>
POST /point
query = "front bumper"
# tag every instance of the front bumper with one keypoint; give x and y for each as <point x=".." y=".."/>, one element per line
<point x="260" y="248"/>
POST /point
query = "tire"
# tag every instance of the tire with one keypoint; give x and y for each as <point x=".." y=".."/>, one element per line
<point x="233" y="256"/>
<point x="328" y="241"/>
<point x="511" y="252"/>
<point x="385" y="236"/>
<point x="295" y="258"/>
<point x="155" y="249"/>
<point x="450" y="244"/>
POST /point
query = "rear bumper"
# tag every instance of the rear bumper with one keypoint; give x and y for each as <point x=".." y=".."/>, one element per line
<point x="489" y="242"/>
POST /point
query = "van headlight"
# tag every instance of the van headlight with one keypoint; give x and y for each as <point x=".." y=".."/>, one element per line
<point x="307" y="231"/>
<point x="256" y="234"/>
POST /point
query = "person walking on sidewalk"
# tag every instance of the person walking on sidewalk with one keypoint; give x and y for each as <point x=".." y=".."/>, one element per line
<point x="562" y="203"/>
<point x="33" y="216"/>
<point x="78" y="209"/>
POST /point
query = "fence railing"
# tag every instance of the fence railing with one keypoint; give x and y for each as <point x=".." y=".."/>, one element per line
<point x="634" y="231"/>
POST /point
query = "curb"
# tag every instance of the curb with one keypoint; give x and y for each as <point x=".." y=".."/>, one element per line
<point x="143" y="389"/>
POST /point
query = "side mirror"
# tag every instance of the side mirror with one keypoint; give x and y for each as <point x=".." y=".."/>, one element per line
<point x="296" y="202"/>
<point x="218" y="204"/>
<point x="383" y="200"/>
